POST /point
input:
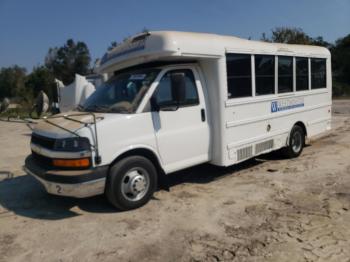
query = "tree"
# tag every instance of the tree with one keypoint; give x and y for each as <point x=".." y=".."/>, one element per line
<point x="288" y="35"/>
<point x="70" y="59"/>
<point x="41" y="79"/>
<point x="321" y="42"/>
<point x="292" y="35"/>
<point x="264" y="38"/>
<point x="341" y="59"/>
<point x="12" y="81"/>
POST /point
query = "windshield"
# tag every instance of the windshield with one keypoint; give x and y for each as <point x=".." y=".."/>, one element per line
<point x="122" y="93"/>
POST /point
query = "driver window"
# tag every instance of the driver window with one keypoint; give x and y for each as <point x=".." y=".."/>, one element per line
<point x="163" y="93"/>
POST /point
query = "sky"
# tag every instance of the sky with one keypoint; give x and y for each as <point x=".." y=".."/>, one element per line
<point x="30" y="27"/>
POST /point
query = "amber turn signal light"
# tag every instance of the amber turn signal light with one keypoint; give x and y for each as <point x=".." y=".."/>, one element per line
<point x="81" y="162"/>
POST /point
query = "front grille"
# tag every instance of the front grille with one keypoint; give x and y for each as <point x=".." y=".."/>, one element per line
<point x="45" y="142"/>
<point x="47" y="163"/>
<point x="42" y="160"/>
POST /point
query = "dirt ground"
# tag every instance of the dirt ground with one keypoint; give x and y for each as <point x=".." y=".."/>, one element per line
<point x="265" y="209"/>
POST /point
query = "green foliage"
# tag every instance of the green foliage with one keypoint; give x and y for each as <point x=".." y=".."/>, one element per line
<point x="41" y="79"/>
<point x="292" y="35"/>
<point x="22" y="88"/>
<point x="61" y="62"/>
<point x="12" y="81"/>
<point x="70" y="59"/>
<point x="289" y="35"/>
<point x="319" y="41"/>
<point x="341" y="60"/>
<point x="340" y="89"/>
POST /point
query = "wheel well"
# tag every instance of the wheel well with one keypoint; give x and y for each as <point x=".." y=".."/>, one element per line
<point x="301" y="124"/>
<point x="141" y="152"/>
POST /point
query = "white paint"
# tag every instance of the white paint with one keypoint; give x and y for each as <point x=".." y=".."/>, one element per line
<point x="179" y="138"/>
<point x="75" y="93"/>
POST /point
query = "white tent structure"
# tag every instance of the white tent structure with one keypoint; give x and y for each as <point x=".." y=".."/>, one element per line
<point x="76" y="93"/>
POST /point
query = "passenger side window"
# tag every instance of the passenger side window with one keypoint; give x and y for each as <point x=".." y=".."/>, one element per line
<point x="264" y="74"/>
<point x="318" y="73"/>
<point x="164" y="95"/>
<point x="239" y="75"/>
<point x="302" y="73"/>
<point x="285" y="74"/>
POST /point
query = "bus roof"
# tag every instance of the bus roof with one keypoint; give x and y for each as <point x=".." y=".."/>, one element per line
<point x="163" y="45"/>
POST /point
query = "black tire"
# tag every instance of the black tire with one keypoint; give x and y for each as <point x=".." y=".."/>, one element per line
<point x="296" y="142"/>
<point x="125" y="180"/>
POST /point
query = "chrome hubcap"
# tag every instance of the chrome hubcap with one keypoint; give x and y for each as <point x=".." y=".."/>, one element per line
<point x="135" y="184"/>
<point x="296" y="142"/>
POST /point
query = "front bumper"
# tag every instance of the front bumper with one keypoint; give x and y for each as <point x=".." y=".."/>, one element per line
<point x="72" y="183"/>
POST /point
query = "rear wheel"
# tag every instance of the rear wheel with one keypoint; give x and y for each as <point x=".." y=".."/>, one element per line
<point x="296" y="142"/>
<point x="131" y="182"/>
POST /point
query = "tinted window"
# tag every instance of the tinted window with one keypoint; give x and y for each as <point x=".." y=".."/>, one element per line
<point x="264" y="74"/>
<point x="302" y="73"/>
<point x="163" y="93"/>
<point x="285" y="74"/>
<point x="239" y="75"/>
<point x="318" y="73"/>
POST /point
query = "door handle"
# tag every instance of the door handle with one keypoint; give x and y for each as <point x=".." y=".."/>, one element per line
<point x="203" y="114"/>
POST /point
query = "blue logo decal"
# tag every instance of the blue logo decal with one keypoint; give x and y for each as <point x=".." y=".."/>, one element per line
<point x="274" y="106"/>
<point x="286" y="104"/>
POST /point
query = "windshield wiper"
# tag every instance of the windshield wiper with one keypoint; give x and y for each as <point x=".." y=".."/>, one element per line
<point x="97" y="108"/>
<point x="118" y="110"/>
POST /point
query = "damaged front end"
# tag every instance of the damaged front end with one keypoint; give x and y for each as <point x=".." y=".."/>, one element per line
<point x="65" y="156"/>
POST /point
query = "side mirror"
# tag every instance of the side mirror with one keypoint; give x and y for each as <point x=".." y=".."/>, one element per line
<point x="178" y="92"/>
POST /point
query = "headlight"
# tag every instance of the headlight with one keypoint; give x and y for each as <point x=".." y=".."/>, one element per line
<point x="72" y="144"/>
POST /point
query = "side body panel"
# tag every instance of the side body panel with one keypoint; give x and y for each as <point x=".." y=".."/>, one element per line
<point x="260" y="124"/>
<point x="183" y="135"/>
<point x="119" y="134"/>
<point x="178" y="138"/>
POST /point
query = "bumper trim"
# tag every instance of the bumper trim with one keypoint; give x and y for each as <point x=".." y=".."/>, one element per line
<point x="72" y="179"/>
<point x="81" y="190"/>
<point x="65" y="176"/>
<point x="73" y="183"/>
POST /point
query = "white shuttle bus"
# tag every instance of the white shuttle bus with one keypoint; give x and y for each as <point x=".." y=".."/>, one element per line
<point x="174" y="100"/>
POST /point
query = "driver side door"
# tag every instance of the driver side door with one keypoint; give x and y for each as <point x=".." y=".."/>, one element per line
<point x="182" y="133"/>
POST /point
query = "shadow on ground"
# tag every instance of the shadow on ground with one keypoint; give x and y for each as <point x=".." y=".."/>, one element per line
<point x="206" y="173"/>
<point x="24" y="196"/>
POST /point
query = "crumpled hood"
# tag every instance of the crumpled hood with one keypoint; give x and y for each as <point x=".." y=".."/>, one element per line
<point x="46" y="129"/>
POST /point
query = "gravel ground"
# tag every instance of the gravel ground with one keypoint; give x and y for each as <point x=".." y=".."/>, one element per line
<point x="265" y="209"/>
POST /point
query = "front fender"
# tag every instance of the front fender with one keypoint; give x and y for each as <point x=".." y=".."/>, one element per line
<point x="135" y="148"/>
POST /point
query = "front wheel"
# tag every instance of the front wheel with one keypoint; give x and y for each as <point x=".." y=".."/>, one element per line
<point x="296" y="142"/>
<point x="131" y="182"/>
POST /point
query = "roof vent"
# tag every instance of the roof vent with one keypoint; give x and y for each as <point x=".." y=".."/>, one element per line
<point x="140" y="37"/>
